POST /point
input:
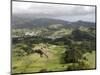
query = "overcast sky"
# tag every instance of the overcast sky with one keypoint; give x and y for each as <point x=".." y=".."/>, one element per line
<point x="57" y="11"/>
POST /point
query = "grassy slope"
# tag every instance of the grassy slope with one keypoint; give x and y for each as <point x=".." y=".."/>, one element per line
<point x="34" y="63"/>
<point x="91" y="59"/>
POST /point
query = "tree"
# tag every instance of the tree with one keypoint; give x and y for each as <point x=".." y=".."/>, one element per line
<point x="72" y="55"/>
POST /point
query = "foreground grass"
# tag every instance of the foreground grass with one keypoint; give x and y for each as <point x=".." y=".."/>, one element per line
<point x="91" y="59"/>
<point x="34" y="63"/>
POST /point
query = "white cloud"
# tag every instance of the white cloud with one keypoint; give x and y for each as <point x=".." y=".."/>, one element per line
<point x="53" y="10"/>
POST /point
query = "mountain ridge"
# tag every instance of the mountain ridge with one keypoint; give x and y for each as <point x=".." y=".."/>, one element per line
<point x="22" y="22"/>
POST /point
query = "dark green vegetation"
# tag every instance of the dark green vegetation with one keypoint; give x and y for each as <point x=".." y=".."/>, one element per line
<point x="53" y="47"/>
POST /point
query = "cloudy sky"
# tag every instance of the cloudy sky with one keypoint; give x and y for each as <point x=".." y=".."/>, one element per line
<point x="57" y="11"/>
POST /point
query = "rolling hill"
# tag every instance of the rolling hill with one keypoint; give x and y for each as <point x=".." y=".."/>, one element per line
<point x="22" y="21"/>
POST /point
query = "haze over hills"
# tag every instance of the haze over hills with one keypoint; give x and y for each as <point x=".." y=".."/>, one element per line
<point x="22" y="21"/>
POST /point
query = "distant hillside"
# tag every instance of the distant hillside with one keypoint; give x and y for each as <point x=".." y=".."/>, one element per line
<point x="83" y="23"/>
<point x="30" y="22"/>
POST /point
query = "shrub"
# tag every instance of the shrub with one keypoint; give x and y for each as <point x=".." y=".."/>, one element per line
<point x="43" y="70"/>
